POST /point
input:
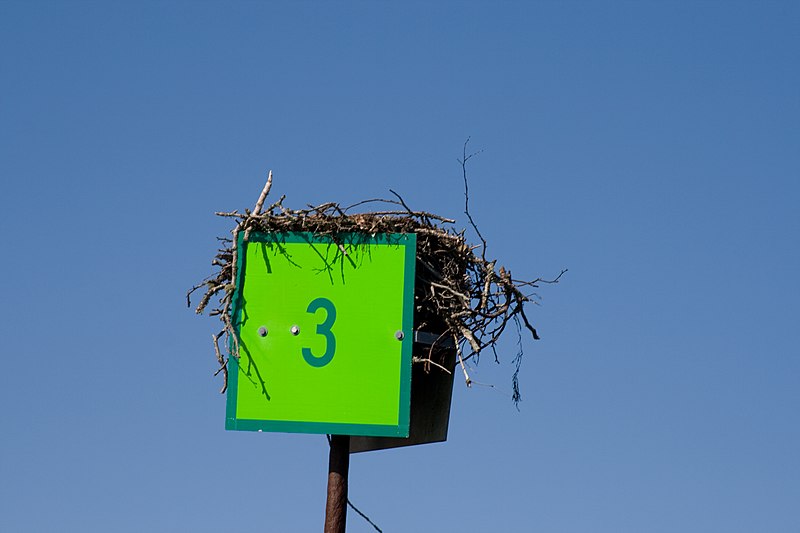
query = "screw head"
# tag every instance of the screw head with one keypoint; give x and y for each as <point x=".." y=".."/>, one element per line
<point x="399" y="335"/>
<point x="262" y="331"/>
<point x="295" y="330"/>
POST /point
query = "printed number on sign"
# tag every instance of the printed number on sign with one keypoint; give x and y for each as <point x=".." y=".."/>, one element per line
<point x="323" y="329"/>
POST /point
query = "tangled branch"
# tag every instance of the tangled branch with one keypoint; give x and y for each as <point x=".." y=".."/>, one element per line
<point x="458" y="293"/>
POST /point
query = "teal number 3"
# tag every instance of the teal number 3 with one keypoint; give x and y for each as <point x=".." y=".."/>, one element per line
<point x="323" y="329"/>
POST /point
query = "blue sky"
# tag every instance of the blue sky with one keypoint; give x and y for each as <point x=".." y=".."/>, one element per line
<point x="649" y="147"/>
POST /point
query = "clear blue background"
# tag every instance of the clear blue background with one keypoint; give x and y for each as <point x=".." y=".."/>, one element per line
<point x="650" y="147"/>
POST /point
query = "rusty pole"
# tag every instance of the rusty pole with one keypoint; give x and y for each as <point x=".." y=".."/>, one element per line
<point x="338" y="466"/>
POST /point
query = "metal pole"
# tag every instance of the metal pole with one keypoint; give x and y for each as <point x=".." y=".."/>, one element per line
<point x="338" y="467"/>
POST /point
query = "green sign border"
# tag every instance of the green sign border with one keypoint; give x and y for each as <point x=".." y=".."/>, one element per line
<point x="409" y="243"/>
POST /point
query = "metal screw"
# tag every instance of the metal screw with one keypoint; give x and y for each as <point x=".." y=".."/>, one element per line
<point x="399" y="335"/>
<point x="262" y="331"/>
<point x="295" y="330"/>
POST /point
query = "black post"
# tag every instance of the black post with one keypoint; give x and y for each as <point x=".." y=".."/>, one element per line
<point x="338" y="466"/>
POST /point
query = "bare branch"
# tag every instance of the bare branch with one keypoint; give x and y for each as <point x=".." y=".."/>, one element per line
<point x="263" y="196"/>
<point x="223" y="363"/>
<point x="463" y="162"/>
<point x="429" y="361"/>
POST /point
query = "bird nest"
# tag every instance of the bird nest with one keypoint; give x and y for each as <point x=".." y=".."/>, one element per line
<point x="460" y="294"/>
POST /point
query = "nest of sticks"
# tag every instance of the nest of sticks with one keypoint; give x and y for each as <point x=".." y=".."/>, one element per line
<point x="460" y="294"/>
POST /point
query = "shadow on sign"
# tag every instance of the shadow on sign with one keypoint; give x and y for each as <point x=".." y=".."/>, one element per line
<point x="431" y="395"/>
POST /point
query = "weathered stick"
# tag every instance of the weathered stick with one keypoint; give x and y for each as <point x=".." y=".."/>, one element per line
<point x="263" y="196"/>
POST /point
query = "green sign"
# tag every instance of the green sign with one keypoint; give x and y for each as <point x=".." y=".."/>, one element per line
<point x="325" y="330"/>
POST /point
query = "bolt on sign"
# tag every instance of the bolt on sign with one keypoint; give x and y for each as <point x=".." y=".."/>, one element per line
<point x="324" y="327"/>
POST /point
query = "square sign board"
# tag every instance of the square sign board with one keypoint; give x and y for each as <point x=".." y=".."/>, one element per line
<point x="325" y="329"/>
